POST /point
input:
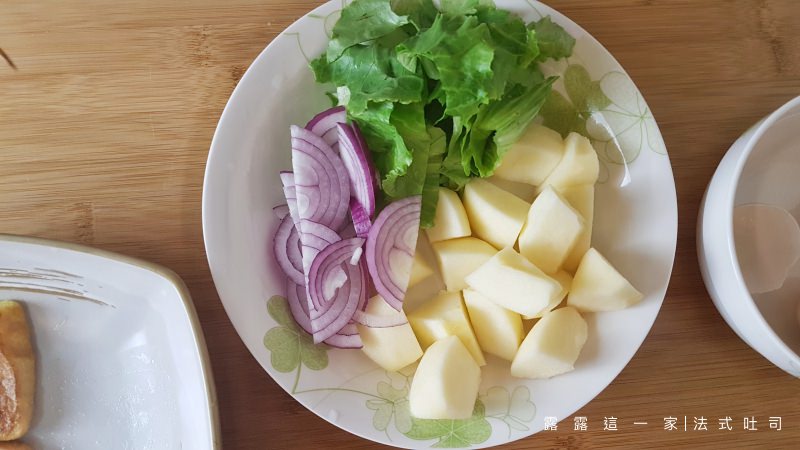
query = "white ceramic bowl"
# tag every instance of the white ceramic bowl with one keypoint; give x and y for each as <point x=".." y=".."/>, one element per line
<point x="635" y="227"/>
<point x="760" y="167"/>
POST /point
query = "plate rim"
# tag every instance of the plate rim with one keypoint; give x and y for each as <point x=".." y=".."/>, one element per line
<point x="183" y="293"/>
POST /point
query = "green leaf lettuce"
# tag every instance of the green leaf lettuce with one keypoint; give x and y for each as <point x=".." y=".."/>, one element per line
<point x="440" y="95"/>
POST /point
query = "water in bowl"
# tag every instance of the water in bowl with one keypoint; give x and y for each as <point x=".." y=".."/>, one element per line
<point x="766" y="230"/>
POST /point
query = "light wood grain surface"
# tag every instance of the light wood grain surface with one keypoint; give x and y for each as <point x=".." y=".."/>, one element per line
<point x="105" y="127"/>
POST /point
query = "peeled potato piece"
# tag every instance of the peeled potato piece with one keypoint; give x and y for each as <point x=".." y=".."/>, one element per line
<point x="514" y="283"/>
<point x="533" y="157"/>
<point x="550" y="232"/>
<point x="552" y="346"/>
<point x="457" y="258"/>
<point x="565" y="280"/>
<point x="581" y="198"/>
<point x="598" y="286"/>
<point x="420" y="269"/>
<point x="578" y="166"/>
<point x="392" y="347"/>
<point x="442" y="316"/>
<point x="450" y="221"/>
<point x="495" y="215"/>
<point x="446" y="383"/>
<point x="499" y="330"/>
<point x="524" y="191"/>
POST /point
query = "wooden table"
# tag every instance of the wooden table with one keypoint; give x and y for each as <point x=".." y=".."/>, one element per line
<point x="106" y="122"/>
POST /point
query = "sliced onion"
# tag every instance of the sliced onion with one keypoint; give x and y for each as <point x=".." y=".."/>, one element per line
<point x="347" y="337"/>
<point x="281" y="211"/>
<point x="336" y="310"/>
<point x="345" y="341"/>
<point x="379" y="321"/>
<point x="287" y="179"/>
<point x="298" y="305"/>
<point x="356" y="258"/>
<point x="356" y="159"/>
<point x="286" y="246"/>
<point x="324" y="125"/>
<point x="348" y="231"/>
<point x="314" y="238"/>
<point x="361" y="221"/>
<point x="390" y="248"/>
<point x="349" y="329"/>
<point x="296" y="295"/>
<point x="320" y="179"/>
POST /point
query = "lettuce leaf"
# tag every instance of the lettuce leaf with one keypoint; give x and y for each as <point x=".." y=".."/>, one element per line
<point x="370" y="74"/>
<point x="427" y="146"/>
<point x="553" y="41"/>
<point x="390" y="153"/>
<point x="460" y="49"/>
<point x="430" y="191"/>
<point x="463" y="7"/>
<point x="421" y="13"/>
<point x="362" y="21"/>
<point x="440" y="94"/>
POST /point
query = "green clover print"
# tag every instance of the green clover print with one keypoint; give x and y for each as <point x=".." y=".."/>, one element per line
<point x="585" y="97"/>
<point x="626" y="125"/>
<point x="393" y="403"/>
<point x="453" y="433"/>
<point x="515" y="409"/>
<point x="289" y="344"/>
<point x="608" y="110"/>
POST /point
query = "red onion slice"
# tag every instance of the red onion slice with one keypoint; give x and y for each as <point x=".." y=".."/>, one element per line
<point x="390" y="248"/>
<point x="356" y="159"/>
<point x="379" y="321"/>
<point x="286" y="246"/>
<point x="345" y="341"/>
<point x="298" y="305"/>
<point x="337" y="302"/>
<point x="320" y="179"/>
<point x="324" y="125"/>
<point x="348" y="231"/>
<point x="314" y="238"/>
<point x="312" y="232"/>
<point x="349" y="329"/>
<point x="347" y="337"/>
<point x="361" y="222"/>
<point x="281" y="211"/>
<point x="287" y="179"/>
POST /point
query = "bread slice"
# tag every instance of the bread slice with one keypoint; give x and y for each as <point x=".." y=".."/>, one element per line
<point x="17" y="372"/>
<point x="14" y="446"/>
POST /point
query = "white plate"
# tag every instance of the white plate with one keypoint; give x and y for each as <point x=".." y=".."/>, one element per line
<point x="635" y="227"/>
<point x="121" y="361"/>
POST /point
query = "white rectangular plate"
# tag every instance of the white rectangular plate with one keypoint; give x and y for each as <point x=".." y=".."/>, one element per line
<point x="121" y="361"/>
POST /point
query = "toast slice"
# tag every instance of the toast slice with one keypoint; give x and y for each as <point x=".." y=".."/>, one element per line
<point x="14" y="446"/>
<point x="17" y="372"/>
